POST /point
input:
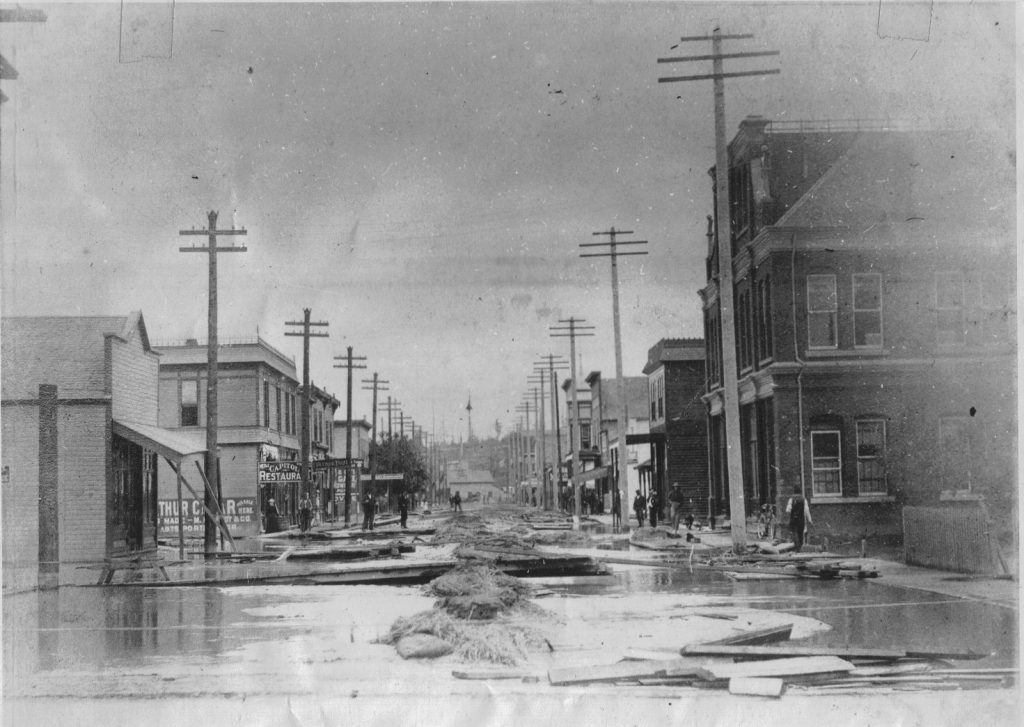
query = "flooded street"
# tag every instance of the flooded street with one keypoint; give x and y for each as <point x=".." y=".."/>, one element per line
<point x="104" y="648"/>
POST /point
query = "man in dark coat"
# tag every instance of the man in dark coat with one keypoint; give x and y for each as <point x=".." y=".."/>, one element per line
<point x="369" y="508"/>
<point x="273" y="517"/>
<point x="640" y="507"/>
<point x="403" y="509"/>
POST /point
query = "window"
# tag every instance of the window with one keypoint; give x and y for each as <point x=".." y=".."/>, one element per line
<point x="764" y="311"/>
<point x="959" y="452"/>
<point x="821" y="311"/>
<point x="949" y="307"/>
<point x="189" y="402"/>
<point x="993" y="311"/>
<point x="661" y="397"/>
<point x="653" y="394"/>
<point x="871" y="457"/>
<point x="266" y="404"/>
<point x="295" y="405"/>
<point x="277" y="406"/>
<point x="826" y="462"/>
<point x="867" y="310"/>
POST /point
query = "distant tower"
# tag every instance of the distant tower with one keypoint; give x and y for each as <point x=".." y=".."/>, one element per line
<point x="469" y="418"/>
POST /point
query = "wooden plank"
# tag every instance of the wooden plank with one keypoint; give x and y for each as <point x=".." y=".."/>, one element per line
<point x="776" y="668"/>
<point x="606" y="672"/>
<point x="488" y="674"/>
<point x="757" y="686"/>
<point x="770" y="635"/>
<point x="790" y="650"/>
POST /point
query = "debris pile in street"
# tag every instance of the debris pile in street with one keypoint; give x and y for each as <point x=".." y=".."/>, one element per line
<point x="757" y="664"/>
<point x="461" y="528"/>
<point x="482" y="615"/>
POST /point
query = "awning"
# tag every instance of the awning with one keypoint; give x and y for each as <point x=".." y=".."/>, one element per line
<point x="646" y="438"/>
<point x="593" y="474"/>
<point x="169" y="443"/>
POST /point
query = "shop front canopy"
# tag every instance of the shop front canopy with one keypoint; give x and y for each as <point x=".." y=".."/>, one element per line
<point x="171" y="444"/>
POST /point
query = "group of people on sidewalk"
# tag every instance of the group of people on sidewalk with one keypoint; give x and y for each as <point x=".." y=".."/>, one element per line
<point x="272" y="516"/>
<point x="797" y="508"/>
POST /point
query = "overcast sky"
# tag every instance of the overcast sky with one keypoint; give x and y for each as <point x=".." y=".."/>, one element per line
<point x="421" y="175"/>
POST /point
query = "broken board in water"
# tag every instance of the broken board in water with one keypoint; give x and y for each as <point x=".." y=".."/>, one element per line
<point x="770" y="635"/>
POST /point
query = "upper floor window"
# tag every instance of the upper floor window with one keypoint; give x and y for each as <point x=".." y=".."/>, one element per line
<point x="661" y="397"/>
<point x="821" y="311"/>
<point x="189" y="402"/>
<point x="653" y="394"/>
<point x="266" y="404"/>
<point x="949" y="307"/>
<point x="826" y="462"/>
<point x="871" y="456"/>
<point x="763" y="314"/>
<point x="867" y="310"/>
<point x="277" y="406"/>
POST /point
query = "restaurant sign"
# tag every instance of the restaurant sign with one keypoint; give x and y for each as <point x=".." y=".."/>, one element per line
<point x="279" y="472"/>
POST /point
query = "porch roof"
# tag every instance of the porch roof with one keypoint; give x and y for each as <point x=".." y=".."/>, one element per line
<point x="169" y="443"/>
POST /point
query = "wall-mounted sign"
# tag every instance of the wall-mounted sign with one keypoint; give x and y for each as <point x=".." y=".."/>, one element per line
<point x="237" y="511"/>
<point x="274" y="472"/>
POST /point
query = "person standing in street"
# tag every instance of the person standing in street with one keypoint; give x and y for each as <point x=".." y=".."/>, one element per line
<point x="640" y="507"/>
<point x="273" y="517"/>
<point x="369" y="507"/>
<point x="305" y="512"/>
<point x="676" y="499"/>
<point x="655" y="508"/>
<point x="403" y="509"/>
<point x="799" y="518"/>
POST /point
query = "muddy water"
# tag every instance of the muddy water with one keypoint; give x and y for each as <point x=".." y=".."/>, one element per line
<point x="860" y="612"/>
<point x="99" y="628"/>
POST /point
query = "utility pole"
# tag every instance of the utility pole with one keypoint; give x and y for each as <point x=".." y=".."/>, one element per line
<point x="574" y="332"/>
<point x="524" y="406"/>
<point x="540" y="377"/>
<point x="556" y="470"/>
<point x="614" y="253"/>
<point x="378" y="384"/>
<point x="212" y="470"/>
<point x="730" y="393"/>
<point x="306" y="334"/>
<point x="349" y="365"/>
<point x="392" y="406"/>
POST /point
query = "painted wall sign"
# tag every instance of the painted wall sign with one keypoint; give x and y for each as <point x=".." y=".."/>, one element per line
<point x="237" y="511"/>
<point x="271" y="472"/>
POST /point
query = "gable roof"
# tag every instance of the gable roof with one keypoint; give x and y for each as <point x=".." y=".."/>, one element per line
<point x="67" y="351"/>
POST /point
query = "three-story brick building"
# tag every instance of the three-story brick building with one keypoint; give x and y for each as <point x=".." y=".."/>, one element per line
<point x="874" y="320"/>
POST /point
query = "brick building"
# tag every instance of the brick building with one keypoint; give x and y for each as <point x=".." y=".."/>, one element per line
<point x="874" y="279"/>
<point x="81" y="442"/>
<point x="678" y="421"/>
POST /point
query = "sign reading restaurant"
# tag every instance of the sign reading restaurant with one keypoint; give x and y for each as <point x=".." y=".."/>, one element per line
<point x="278" y="472"/>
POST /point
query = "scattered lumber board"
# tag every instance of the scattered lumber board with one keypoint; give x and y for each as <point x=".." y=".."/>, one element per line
<point x="607" y="672"/>
<point x="757" y="686"/>
<point x="796" y="666"/>
<point x="488" y="674"/>
<point x="770" y="635"/>
<point x="718" y="648"/>
<point x="629" y="671"/>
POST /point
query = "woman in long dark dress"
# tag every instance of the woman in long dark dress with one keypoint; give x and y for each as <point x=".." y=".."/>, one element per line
<point x="273" y="517"/>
